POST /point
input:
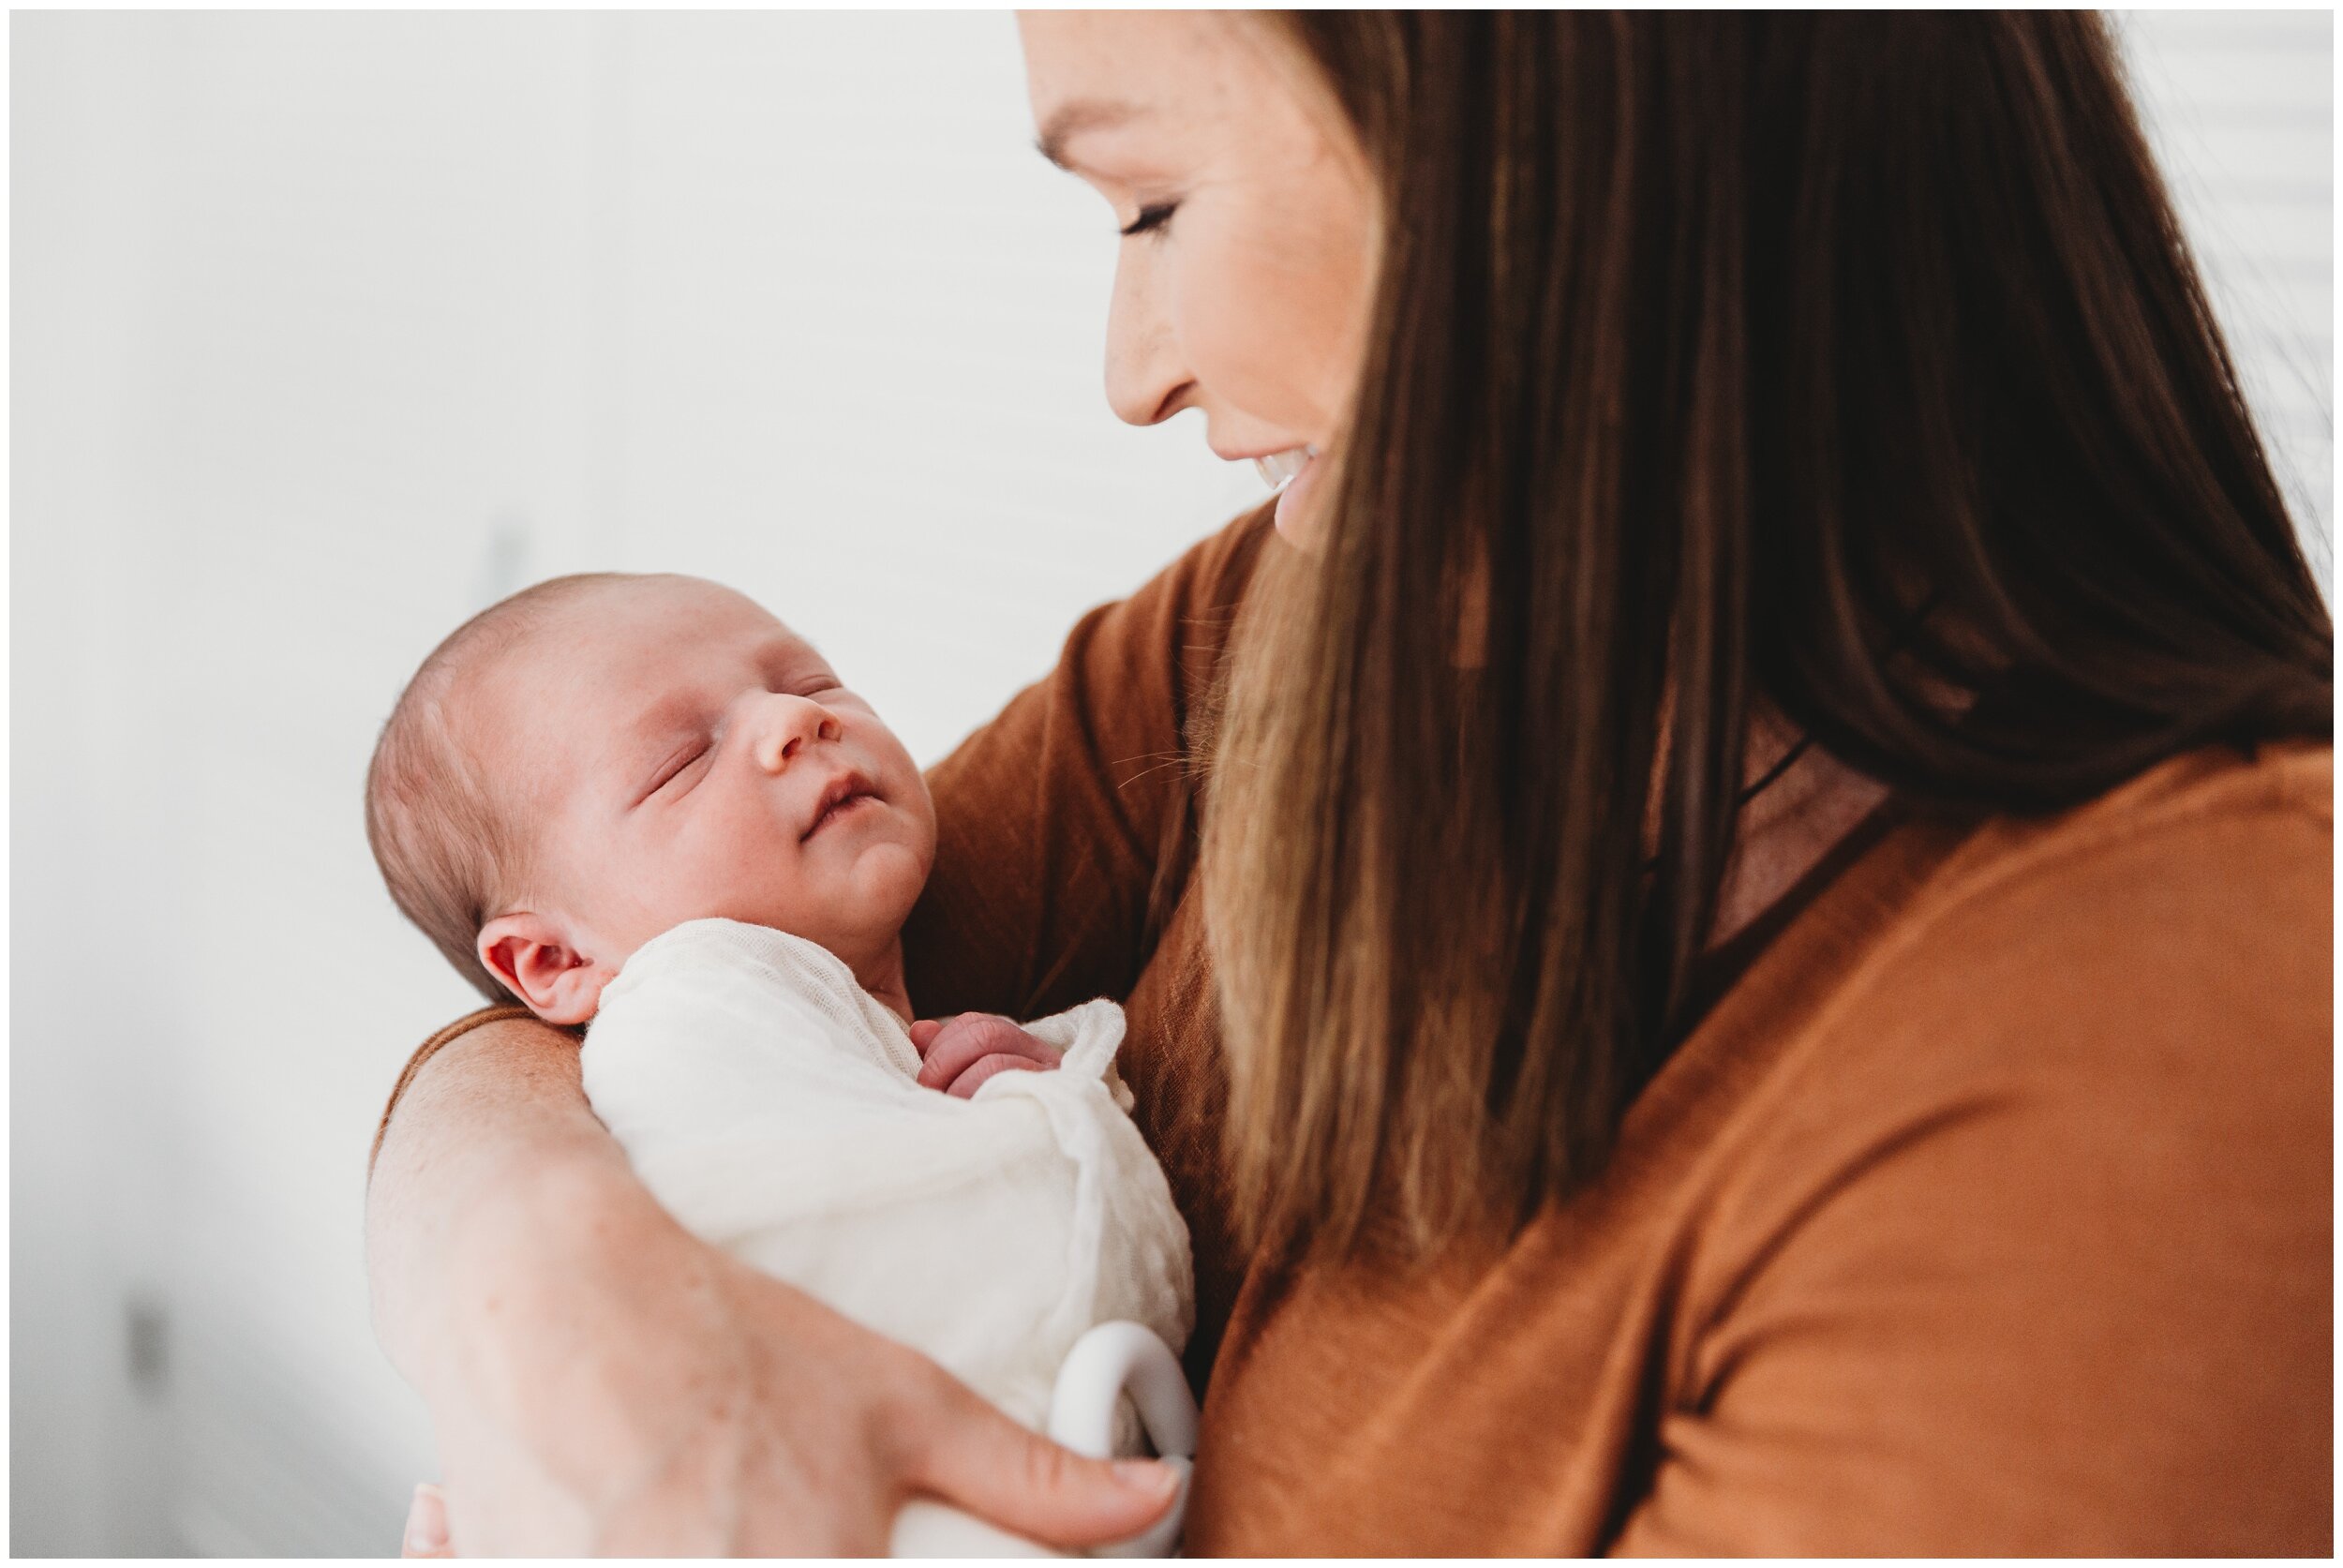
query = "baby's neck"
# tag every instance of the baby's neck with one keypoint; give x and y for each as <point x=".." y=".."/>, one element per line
<point x="883" y="978"/>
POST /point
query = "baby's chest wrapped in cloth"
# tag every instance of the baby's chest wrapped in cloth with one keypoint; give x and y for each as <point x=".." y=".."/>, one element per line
<point x="771" y="1105"/>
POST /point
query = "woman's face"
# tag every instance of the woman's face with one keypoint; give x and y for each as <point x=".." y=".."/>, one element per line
<point x="1249" y="223"/>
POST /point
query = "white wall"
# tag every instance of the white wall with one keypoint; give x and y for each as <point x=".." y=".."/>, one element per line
<point x="328" y="329"/>
<point x="2240" y="108"/>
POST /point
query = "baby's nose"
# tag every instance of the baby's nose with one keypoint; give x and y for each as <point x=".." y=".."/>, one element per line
<point x="789" y="724"/>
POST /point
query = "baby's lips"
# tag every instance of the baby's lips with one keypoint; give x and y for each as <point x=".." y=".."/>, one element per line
<point x="845" y="786"/>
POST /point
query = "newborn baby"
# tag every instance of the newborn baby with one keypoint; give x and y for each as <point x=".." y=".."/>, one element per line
<point x="642" y="804"/>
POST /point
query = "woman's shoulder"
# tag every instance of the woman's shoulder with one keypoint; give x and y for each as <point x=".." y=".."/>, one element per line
<point x="2050" y="1161"/>
<point x="2200" y="890"/>
<point x="2188" y="812"/>
<point x="2204" y="887"/>
<point x="2156" y="963"/>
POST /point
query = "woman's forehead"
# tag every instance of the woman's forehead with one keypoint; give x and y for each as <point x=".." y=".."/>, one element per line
<point x="1126" y="95"/>
<point x="1091" y="72"/>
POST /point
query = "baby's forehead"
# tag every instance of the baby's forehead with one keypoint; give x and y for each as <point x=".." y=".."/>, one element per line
<point x="621" y="638"/>
<point x="673" y="614"/>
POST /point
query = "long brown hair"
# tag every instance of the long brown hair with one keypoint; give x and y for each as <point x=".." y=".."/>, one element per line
<point x="1843" y="366"/>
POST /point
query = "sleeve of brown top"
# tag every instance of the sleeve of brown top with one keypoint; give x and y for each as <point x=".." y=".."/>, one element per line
<point x="2043" y="1259"/>
<point x="1064" y="826"/>
<point x="424" y="1053"/>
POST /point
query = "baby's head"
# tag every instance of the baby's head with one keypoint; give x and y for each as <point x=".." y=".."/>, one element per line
<point x="598" y="758"/>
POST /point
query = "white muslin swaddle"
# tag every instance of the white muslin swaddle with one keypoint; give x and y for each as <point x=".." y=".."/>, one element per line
<point x="771" y="1105"/>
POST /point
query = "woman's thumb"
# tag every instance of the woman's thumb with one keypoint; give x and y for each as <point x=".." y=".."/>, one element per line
<point x="990" y="1466"/>
<point x="426" y="1524"/>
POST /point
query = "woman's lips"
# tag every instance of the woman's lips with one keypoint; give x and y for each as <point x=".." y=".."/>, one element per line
<point x="1288" y="474"/>
<point x="1282" y="469"/>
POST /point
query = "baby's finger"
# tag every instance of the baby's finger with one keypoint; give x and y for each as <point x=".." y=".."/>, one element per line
<point x="968" y="1040"/>
<point x="968" y="1082"/>
<point x="924" y="1033"/>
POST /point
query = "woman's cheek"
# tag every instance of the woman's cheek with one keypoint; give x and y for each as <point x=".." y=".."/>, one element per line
<point x="1259" y="329"/>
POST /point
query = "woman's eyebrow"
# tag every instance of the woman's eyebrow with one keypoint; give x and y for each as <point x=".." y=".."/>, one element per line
<point x="1073" y="119"/>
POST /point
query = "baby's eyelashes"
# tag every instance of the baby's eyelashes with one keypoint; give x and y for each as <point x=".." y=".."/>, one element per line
<point x="684" y="761"/>
<point x="673" y="768"/>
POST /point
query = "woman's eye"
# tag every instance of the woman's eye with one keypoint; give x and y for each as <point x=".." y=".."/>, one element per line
<point x="1151" y="219"/>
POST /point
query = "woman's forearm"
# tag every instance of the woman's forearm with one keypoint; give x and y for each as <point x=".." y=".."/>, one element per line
<point x="532" y="1291"/>
<point x="490" y="1147"/>
<point x="601" y="1380"/>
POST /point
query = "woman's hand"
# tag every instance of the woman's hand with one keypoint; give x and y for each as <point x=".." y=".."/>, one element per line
<point x="601" y="1380"/>
<point x="958" y="1054"/>
<point x="754" y="1421"/>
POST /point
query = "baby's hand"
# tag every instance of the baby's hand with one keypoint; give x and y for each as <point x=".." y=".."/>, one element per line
<point x="959" y="1053"/>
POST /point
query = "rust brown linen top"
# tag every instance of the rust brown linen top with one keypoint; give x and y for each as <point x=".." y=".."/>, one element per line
<point x="1990" y="1210"/>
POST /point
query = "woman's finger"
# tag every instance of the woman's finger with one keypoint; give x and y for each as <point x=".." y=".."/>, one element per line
<point x="979" y="1460"/>
<point x="426" y="1524"/>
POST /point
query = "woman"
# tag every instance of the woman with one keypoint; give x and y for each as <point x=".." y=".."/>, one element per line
<point x="1727" y="945"/>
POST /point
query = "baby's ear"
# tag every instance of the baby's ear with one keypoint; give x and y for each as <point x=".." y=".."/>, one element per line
<point x="533" y="956"/>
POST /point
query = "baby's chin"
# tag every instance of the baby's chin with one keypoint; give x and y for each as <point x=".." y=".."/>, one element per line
<point x="888" y="877"/>
<point x="870" y="900"/>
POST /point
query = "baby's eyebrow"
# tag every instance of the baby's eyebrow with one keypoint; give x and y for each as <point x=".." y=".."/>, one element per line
<point x="677" y="711"/>
<point x="790" y="659"/>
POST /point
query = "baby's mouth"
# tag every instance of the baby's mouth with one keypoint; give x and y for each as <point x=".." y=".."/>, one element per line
<point x="843" y="795"/>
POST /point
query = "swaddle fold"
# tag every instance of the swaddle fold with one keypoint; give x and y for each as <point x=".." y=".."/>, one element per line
<point x="771" y="1105"/>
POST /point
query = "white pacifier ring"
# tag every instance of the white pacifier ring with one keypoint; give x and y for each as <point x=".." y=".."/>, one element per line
<point x="1107" y="1362"/>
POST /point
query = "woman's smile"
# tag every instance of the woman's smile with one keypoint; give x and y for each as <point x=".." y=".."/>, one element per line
<point x="1289" y="476"/>
<point x="1279" y="468"/>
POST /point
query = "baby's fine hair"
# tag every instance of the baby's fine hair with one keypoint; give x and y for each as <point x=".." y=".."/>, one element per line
<point x="452" y="844"/>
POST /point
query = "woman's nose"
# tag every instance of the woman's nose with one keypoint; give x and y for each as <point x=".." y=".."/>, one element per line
<point x="788" y="725"/>
<point x="1147" y="379"/>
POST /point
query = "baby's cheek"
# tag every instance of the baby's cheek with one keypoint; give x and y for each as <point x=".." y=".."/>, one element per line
<point x="923" y="833"/>
<point x="755" y="873"/>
